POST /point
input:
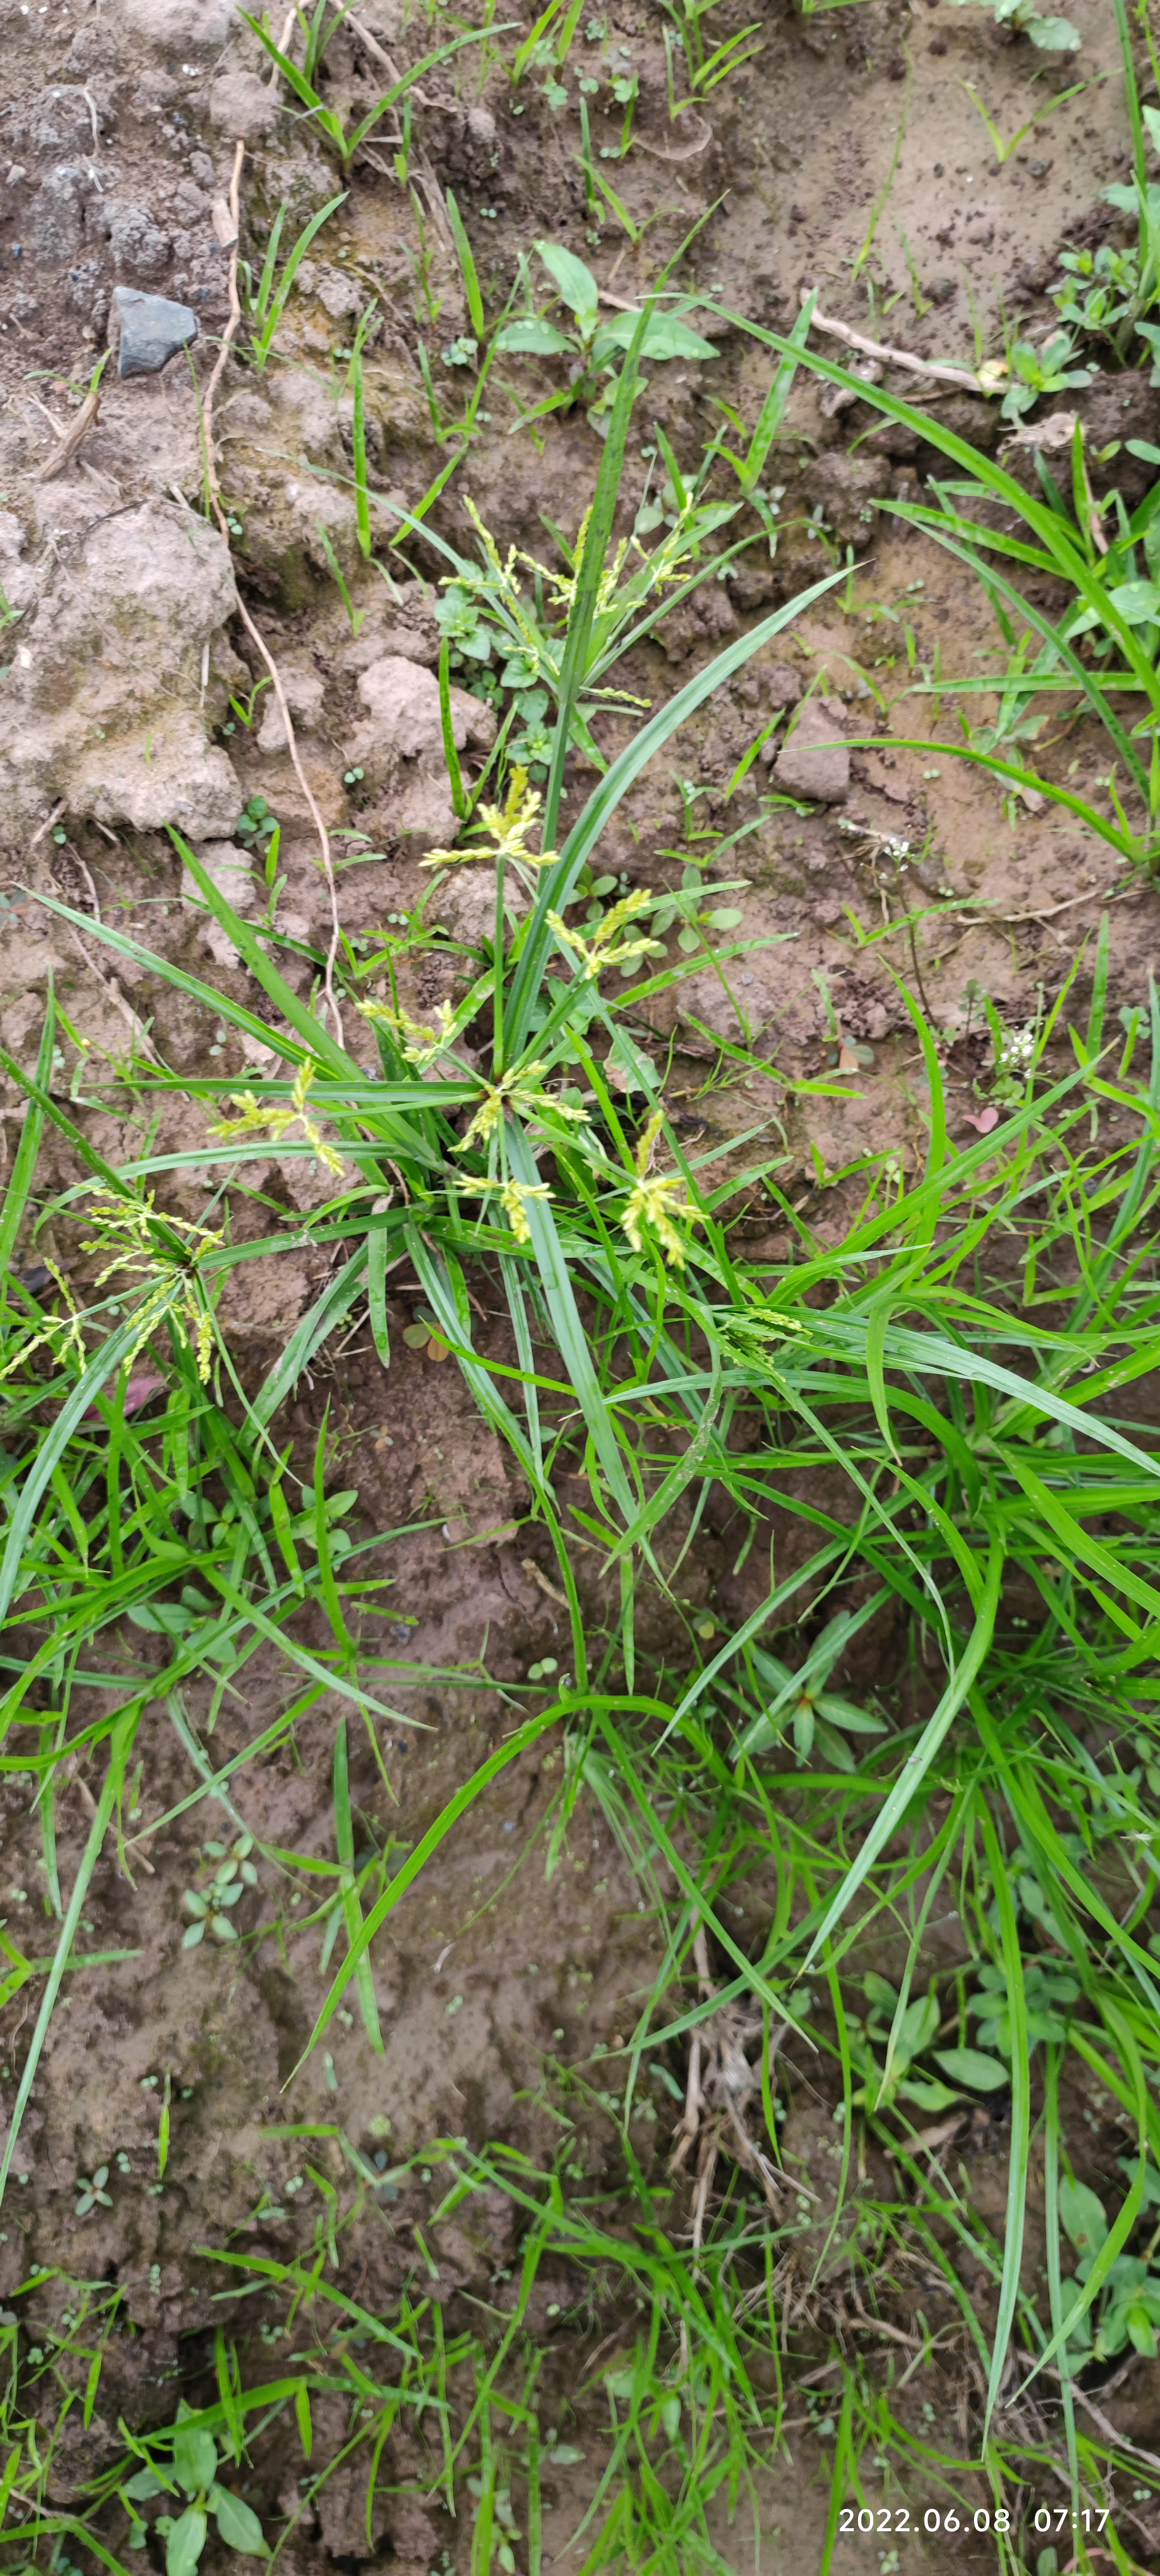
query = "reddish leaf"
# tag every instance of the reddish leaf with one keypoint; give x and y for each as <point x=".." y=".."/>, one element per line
<point x="140" y="1388"/>
<point x="983" y="1119"/>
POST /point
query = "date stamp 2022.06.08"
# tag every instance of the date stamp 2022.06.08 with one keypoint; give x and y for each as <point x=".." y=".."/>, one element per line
<point x="1058" y="2520"/>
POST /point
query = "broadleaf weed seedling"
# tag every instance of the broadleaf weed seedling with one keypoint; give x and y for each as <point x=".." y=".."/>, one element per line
<point x="1022" y="18"/>
<point x="233" y="1872"/>
<point x="194" y="2464"/>
<point x="92" y="2193"/>
<point x="594" y="345"/>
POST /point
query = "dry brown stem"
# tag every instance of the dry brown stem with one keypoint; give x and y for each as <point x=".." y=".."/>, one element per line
<point x="960" y="377"/>
<point x="74" y="437"/>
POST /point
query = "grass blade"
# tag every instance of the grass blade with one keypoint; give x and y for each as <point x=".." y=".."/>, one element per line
<point x="597" y="538"/>
<point x="31" y="1131"/>
<point x="467" y="265"/>
<point x="1017" y="2170"/>
<point x="556" y="883"/>
<point x="919" y="1760"/>
<point x="518" y="1742"/>
<point x="344" y="1843"/>
<point x="120" y="1748"/>
<point x="310" y="1334"/>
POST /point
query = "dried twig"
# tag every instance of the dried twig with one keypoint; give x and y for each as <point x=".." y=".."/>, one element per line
<point x="1105" y="2423"/>
<point x="370" y="45"/>
<point x="284" y="42"/>
<point x="231" y="330"/>
<point x="529" y="1566"/>
<point x="46" y="826"/>
<point x="215" y="493"/>
<point x="721" y="2082"/>
<point x="960" y="377"/>
<point x="1105" y="894"/>
<point x="73" y="438"/>
<point x="878" y="2325"/>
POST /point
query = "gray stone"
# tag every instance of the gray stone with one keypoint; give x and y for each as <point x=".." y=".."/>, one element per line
<point x="147" y="330"/>
<point x="403" y="702"/>
<point x="93" y="49"/>
<point x="304" y="692"/>
<point x="812" y="763"/>
<point x="339" y="296"/>
<point x="17" y="579"/>
<point x="139" y="247"/>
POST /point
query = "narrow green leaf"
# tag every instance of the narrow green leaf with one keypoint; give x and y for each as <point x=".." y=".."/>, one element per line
<point x="32" y="1129"/>
<point x="309" y="1335"/>
<point x="556" y="884"/>
<point x="467" y="266"/>
<point x="377" y="1292"/>
<point x="516" y="1743"/>
<point x="918" y="1762"/>
<point x="1020" y="2149"/>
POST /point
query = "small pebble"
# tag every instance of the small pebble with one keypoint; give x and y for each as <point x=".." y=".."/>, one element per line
<point x="148" y="330"/>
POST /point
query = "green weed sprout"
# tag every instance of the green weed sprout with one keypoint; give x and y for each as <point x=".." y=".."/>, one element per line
<point x="255" y="824"/>
<point x="265" y="298"/>
<point x="1022" y="18"/>
<point x="92" y="2193"/>
<point x="318" y="34"/>
<point x="1103" y="294"/>
<point x="704" y="70"/>
<point x="1129" y="2306"/>
<point x="508" y="637"/>
<point x="817" y="1718"/>
<point x="595" y="345"/>
<point x="1135" y="281"/>
<point x="347" y="144"/>
<point x="210" y="1906"/>
<point x="1107" y="293"/>
<point x="196" y="2460"/>
<point x="1038" y="370"/>
<point x="1003" y="151"/>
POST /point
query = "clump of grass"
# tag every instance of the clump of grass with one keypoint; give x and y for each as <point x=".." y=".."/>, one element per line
<point x="947" y="1403"/>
